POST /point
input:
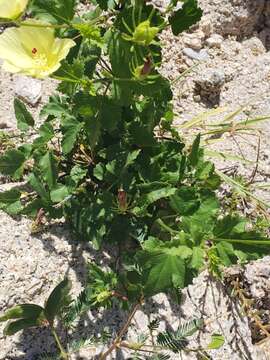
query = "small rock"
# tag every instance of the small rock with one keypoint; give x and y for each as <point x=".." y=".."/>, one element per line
<point x="206" y="27"/>
<point x="197" y="98"/>
<point x="28" y="89"/>
<point x="200" y="34"/>
<point x="192" y="42"/>
<point x="196" y="55"/>
<point x="256" y="45"/>
<point x="3" y="125"/>
<point x="85" y="353"/>
<point x="214" y="41"/>
<point x="211" y="80"/>
<point x="208" y="85"/>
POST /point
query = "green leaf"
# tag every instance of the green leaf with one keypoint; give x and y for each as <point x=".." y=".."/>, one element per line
<point x="110" y="114"/>
<point x="166" y="272"/>
<point x="91" y="55"/>
<point x="205" y="170"/>
<point x="12" y="163"/>
<point x="56" y="107"/>
<point x="32" y="208"/>
<point x="185" y="200"/>
<point x="48" y="166"/>
<point x="99" y="171"/>
<point x="203" y="220"/>
<point x="69" y="73"/>
<point x="150" y="198"/>
<point x="168" y="340"/>
<point x="141" y="134"/>
<point x="70" y="129"/>
<point x="54" y="10"/>
<point x="59" y="194"/>
<point x="58" y="300"/>
<point x="22" y="324"/>
<point x="228" y="226"/>
<point x="23" y="116"/>
<point x="26" y="149"/>
<point x="195" y="151"/>
<point x="39" y="188"/>
<point x="93" y="131"/>
<point x="90" y="32"/>
<point x="197" y="260"/>
<point x="226" y="253"/>
<point x="164" y="265"/>
<point x="46" y="133"/>
<point x="217" y="341"/>
<point x="103" y="4"/>
<point x="22" y="311"/>
<point x="89" y="217"/>
<point x="77" y="173"/>
<point x="120" y="57"/>
<point x="188" y="328"/>
<point x="185" y="17"/>
<point x="10" y="201"/>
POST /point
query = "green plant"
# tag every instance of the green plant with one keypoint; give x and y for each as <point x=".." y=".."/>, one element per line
<point x="212" y="133"/>
<point x="31" y="315"/>
<point x="109" y="161"/>
<point x="60" y="305"/>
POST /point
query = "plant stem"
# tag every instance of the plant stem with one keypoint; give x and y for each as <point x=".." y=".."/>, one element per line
<point x="166" y="227"/>
<point x="131" y="347"/>
<point x="117" y="341"/>
<point x="54" y="26"/>
<point x="250" y="242"/>
<point x="63" y="353"/>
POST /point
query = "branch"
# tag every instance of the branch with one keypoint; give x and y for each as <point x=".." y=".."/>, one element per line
<point x="117" y="341"/>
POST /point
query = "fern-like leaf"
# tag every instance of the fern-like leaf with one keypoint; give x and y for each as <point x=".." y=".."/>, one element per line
<point x="189" y="328"/>
<point x="77" y="345"/>
<point x="169" y="341"/>
<point x="154" y="324"/>
<point x="159" y="356"/>
<point x="177" y="341"/>
<point x="79" y="306"/>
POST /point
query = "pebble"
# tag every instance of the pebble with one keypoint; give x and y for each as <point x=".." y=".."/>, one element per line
<point x="211" y="80"/>
<point x="3" y="125"/>
<point x="206" y="26"/>
<point x="192" y="42"/>
<point x="197" y="98"/>
<point x="201" y="55"/>
<point x="28" y="89"/>
<point x="214" y="41"/>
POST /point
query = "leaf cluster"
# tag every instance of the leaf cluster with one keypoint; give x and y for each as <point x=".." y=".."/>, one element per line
<point x="24" y="316"/>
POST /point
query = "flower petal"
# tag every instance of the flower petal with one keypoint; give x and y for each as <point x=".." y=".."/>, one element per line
<point x="12" y="9"/>
<point x="11" y="48"/>
<point x="17" y="45"/>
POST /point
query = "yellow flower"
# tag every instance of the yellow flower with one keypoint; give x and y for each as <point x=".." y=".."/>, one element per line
<point x="33" y="50"/>
<point x="12" y="9"/>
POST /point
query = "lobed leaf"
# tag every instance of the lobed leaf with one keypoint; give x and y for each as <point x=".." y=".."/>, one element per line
<point x="217" y="341"/>
<point x="23" y="116"/>
<point x="10" y="201"/>
<point x="184" y="18"/>
<point x="58" y="300"/>
<point x="22" y="311"/>
<point x="12" y="163"/>
<point x="22" y="324"/>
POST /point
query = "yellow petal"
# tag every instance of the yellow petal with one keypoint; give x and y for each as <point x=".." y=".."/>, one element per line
<point x="12" y="9"/>
<point x="11" y="49"/>
<point x="31" y="37"/>
<point x="32" y="50"/>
